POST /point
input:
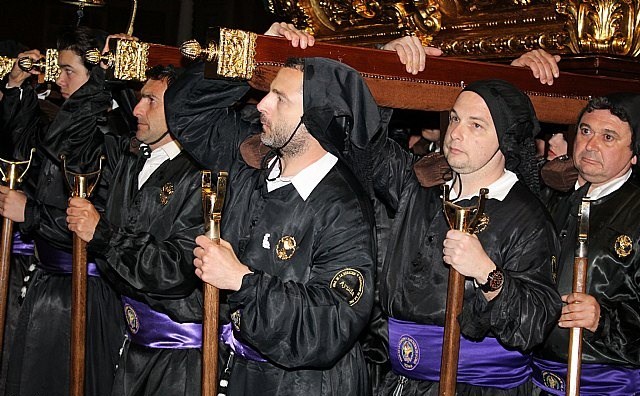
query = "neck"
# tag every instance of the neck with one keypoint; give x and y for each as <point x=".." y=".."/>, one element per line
<point x="168" y="138"/>
<point x="292" y="165"/>
<point x="474" y="181"/>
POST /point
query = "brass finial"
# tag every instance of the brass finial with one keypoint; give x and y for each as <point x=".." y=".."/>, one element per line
<point x="93" y="57"/>
<point x="27" y="64"/>
<point x="191" y="49"/>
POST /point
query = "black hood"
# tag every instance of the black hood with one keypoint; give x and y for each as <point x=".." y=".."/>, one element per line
<point x="516" y="125"/>
<point x="339" y="110"/>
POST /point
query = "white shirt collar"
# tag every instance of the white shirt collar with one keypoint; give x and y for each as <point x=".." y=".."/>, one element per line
<point x="169" y="150"/>
<point x="307" y="179"/>
<point x="608" y="187"/>
<point x="498" y="189"/>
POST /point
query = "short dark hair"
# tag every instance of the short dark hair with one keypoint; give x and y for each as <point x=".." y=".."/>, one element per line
<point x="80" y="39"/>
<point x="295" y="63"/>
<point x="161" y="72"/>
<point x="603" y="103"/>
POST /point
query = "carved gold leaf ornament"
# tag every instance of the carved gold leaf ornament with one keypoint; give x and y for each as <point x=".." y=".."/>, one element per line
<point x="6" y="64"/>
<point x="131" y="60"/>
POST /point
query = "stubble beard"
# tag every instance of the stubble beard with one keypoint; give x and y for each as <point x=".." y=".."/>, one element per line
<point x="278" y="136"/>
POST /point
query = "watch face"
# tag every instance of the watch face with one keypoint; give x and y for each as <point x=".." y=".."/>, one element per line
<point x="496" y="278"/>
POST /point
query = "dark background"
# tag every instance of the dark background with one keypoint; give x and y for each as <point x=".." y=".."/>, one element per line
<point x="36" y="23"/>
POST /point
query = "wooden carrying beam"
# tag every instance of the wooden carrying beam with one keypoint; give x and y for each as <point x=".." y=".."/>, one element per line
<point x="238" y="54"/>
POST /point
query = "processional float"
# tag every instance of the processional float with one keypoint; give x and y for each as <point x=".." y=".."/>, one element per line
<point x="256" y="58"/>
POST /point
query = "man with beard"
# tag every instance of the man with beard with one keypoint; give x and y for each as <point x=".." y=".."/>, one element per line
<point x="606" y="147"/>
<point x="40" y="354"/>
<point x="510" y="301"/>
<point x="143" y="243"/>
<point x="296" y="258"/>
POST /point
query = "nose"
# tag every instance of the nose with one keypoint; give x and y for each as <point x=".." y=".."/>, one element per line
<point x="592" y="143"/>
<point x="60" y="81"/>
<point x="264" y="105"/>
<point x="454" y="131"/>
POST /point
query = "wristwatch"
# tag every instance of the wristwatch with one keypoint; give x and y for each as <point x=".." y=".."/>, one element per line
<point x="495" y="279"/>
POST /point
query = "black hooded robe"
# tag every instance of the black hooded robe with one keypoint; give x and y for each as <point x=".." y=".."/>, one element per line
<point x="144" y="245"/>
<point x="311" y="292"/>
<point x="40" y="355"/>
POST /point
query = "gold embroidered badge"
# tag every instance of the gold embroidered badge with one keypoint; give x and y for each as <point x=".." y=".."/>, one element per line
<point x="167" y="191"/>
<point x="349" y="283"/>
<point x="553" y="381"/>
<point x="623" y="246"/>
<point x="286" y="247"/>
<point x="481" y="225"/>
<point x="132" y="319"/>
<point x="235" y="319"/>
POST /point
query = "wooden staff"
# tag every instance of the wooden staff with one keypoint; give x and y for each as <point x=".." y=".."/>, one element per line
<point x="212" y="204"/>
<point x="12" y="177"/>
<point x="465" y="220"/>
<point x="580" y="263"/>
<point x="82" y="188"/>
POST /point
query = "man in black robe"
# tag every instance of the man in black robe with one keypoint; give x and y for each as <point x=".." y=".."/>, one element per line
<point x="143" y="243"/>
<point x="605" y="149"/>
<point x="40" y="354"/>
<point x="296" y="256"/>
<point x="510" y="301"/>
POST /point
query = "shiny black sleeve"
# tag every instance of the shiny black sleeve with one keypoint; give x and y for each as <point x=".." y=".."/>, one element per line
<point x="200" y="115"/>
<point x="19" y="122"/>
<point x="617" y="331"/>
<point x="528" y="305"/>
<point x="312" y="324"/>
<point x="141" y="265"/>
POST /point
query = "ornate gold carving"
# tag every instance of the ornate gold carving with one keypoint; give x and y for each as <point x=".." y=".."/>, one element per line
<point x="51" y="71"/>
<point x="6" y="64"/>
<point x="235" y="53"/>
<point x="131" y="60"/>
<point x="603" y="26"/>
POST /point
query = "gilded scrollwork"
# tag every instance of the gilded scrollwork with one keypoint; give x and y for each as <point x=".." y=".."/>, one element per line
<point x="52" y="70"/>
<point x="131" y="60"/>
<point x="237" y="50"/>
<point x="602" y="26"/>
<point x="6" y="64"/>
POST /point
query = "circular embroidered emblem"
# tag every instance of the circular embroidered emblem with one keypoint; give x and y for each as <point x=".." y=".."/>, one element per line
<point x="132" y="319"/>
<point x="349" y="283"/>
<point x="623" y="246"/>
<point x="408" y="352"/>
<point x="286" y="247"/>
<point x="552" y="380"/>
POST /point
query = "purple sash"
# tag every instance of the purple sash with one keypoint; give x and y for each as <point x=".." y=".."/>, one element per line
<point x="226" y="336"/>
<point x="154" y="329"/>
<point x="415" y="352"/>
<point x="21" y="247"/>
<point x="58" y="261"/>
<point x="595" y="379"/>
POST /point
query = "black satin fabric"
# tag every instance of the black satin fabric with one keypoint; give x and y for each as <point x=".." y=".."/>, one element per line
<point x="519" y="239"/>
<point x="145" y="247"/>
<point x="426" y="388"/>
<point x="288" y="309"/>
<point x="41" y="347"/>
<point x="611" y="279"/>
<point x="146" y="371"/>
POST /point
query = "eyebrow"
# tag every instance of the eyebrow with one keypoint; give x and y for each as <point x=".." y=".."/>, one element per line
<point x="607" y="131"/>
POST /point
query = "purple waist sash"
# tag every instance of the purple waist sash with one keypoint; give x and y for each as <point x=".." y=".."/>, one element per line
<point x="595" y="379"/>
<point x="58" y="261"/>
<point x="21" y="247"/>
<point x="415" y="352"/>
<point x="154" y="329"/>
<point x="226" y="336"/>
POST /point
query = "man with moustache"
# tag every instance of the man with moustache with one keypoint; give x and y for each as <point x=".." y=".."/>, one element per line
<point x="143" y="243"/>
<point x="40" y="354"/>
<point x="604" y="152"/>
<point x="510" y="301"/>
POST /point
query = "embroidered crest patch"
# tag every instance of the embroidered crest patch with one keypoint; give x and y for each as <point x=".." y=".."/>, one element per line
<point x="552" y="380"/>
<point x="286" y="247"/>
<point x="623" y="246"/>
<point x="349" y="283"/>
<point x="167" y="191"/>
<point x="132" y="319"/>
<point x="408" y="352"/>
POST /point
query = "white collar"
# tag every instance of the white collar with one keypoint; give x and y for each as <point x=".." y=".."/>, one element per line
<point x="498" y="189"/>
<point x="608" y="187"/>
<point x="170" y="150"/>
<point x="307" y="179"/>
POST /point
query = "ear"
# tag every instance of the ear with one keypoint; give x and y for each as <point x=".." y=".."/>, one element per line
<point x="634" y="159"/>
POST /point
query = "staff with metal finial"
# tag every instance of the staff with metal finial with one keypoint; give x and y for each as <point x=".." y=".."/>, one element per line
<point x="465" y="220"/>
<point x="580" y="264"/>
<point x="12" y="177"/>
<point x="79" y="186"/>
<point x="212" y="203"/>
